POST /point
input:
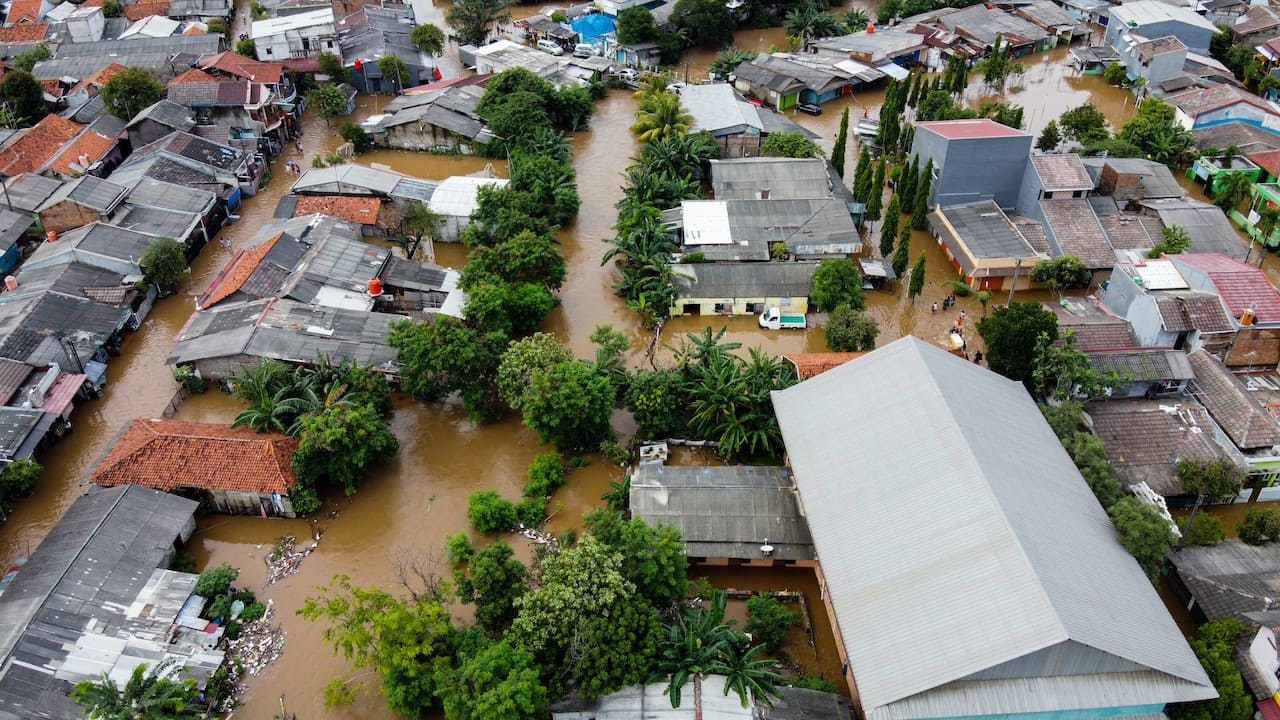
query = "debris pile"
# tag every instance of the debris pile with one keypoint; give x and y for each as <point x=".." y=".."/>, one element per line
<point x="259" y="644"/>
<point x="286" y="558"/>
<point x="539" y="537"/>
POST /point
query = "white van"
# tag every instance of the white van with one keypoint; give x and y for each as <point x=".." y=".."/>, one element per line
<point x="548" y="46"/>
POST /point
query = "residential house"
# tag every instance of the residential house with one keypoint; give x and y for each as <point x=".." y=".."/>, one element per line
<point x="154" y="26"/>
<point x="1054" y="20"/>
<point x="205" y="11"/>
<point x="876" y="47"/>
<point x="363" y="212"/>
<point x="1054" y="192"/>
<point x="738" y="288"/>
<point x="232" y="470"/>
<point x="1125" y="230"/>
<point x="96" y="598"/>
<point x="185" y="227"/>
<point x="34" y="149"/>
<point x="82" y="201"/>
<point x="444" y="119"/>
<point x="375" y="32"/>
<point x="916" y="422"/>
<point x="973" y="160"/>
<point x="1145" y="439"/>
<point x="984" y="246"/>
<point x="772" y="178"/>
<point x="706" y="697"/>
<point x="28" y="191"/>
<point x="1229" y="579"/>
<point x="1214" y="169"/>
<point x="13" y="235"/>
<point x="150" y="193"/>
<point x="1151" y="61"/>
<point x="1268" y="163"/>
<point x="738" y="126"/>
<point x="1095" y="327"/>
<point x="351" y="179"/>
<point x="1205" y="107"/>
<point x="456" y="198"/>
<point x="85" y="24"/>
<point x="24" y="32"/>
<point x="495" y="57"/>
<point x="726" y="514"/>
<point x="982" y="24"/>
<point x="1154" y="19"/>
<point x="1250" y="297"/>
<point x="1257" y="25"/>
<point x="1143" y="372"/>
<point x="302" y="35"/>
<point x="1224" y="12"/>
<point x="249" y="112"/>
<point x="808" y="365"/>
<point x="157" y="121"/>
<point x="542" y="27"/>
<point x="231" y="65"/>
<point x="748" y="230"/>
<point x="1209" y="228"/>
<point x="781" y="80"/>
<point x="27" y="11"/>
<point x="1236" y="408"/>
<point x="153" y="53"/>
<point x="1133" y="179"/>
<point x="1163" y="310"/>
<point x="186" y="159"/>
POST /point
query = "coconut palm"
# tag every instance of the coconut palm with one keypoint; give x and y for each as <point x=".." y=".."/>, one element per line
<point x="146" y="696"/>
<point x="856" y="20"/>
<point x="807" y="22"/>
<point x="683" y="156"/>
<point x="651" y="86"/>
<point x="661" y="117"/>
<point x="1231" y="190"/>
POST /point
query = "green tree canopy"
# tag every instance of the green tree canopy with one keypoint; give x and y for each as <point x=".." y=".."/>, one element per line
<point x="442" y="356"/>
<point x="27" y="60"/>
<point x="1144" y="532"/>
<point x="328" y="101"/>
<point x="1049" y="138"/>
<point x="1085" y="124"/>
<point x="656" y="401"/>
<point x="498" y="682"/>
<point x="569" y="405"/>
<point x="661" y="116"/>
<point x="790" y="145"/>
<point x="340" y="443"/>
<point x="1215" y="479"/>
<point x="1215" y="648"/>
<point x="636" y="25"/>
<point x="23" y="96"/>
<point x="524" y="359"/>
<point x="164" y="263"/>
<point x="769" y="621"/>
<point x="707" y="23"/>
<point x="130" y="91"/>
<point x="148" y="695"/>
<point x="837" y="282"/>
<point x="331" y="65"/>
<point x="1010" y="334"/>
<point x="917" y="278"/>
<point x="427" y="38"/>
<point x="393" y="70"/>
<point x="19" y="477"/>
<point x="493" y="582"/>
<point x="471" y="19"/>
<point x="1063" y="271"/>
<point x="1259" y="525"/>
<point x="246" y="47"/>
<point x="653" y="558"/>
<point x="1173" y="240"/>
<point x="850" y="330"/>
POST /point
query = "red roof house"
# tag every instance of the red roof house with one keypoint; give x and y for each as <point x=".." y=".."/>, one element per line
<point x="1242" y="287"/>
<point x="237" y="469"/>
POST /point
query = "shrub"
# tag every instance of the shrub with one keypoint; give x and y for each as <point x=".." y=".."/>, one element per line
<point x="19" y="477"/>
<point x="459" y="548"/>
<point x="216" y="581"/>
<point x="769" y="621"/>
<point x="1207" y="530"/>
<point x="355" y="135"/>
<point x="531" y="511"/>
<point x="615" y="453"/>
<point x="1259" y="526"/>
<point x="811" y="682"/>
<point x="187" y="378"/>
<point x="490" y="512"/>
<point x="546" y="473"/>
<point x="253" y="612"/>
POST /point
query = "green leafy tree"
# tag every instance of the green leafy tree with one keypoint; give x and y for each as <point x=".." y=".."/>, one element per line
<point x="489" y="512"/>
<point x="769" y="621"/>
<point x="636" y="25"/>
<point x="331" y="65"/>
<point x="23" y="97"/>
<point x="1084" y="124"/>
<point x="130" y="91"/>
<point x="545" y="474"/>
<point x="340" y="443"/>
<point x="1259" y="526"/>
<point x="164" y="263"/>
<point x="1062" y="371"/>
<point x="1087" y="451"/>
<point x="498" y="682"/>
<point x="1215" y="479"/>
<point x="547" y="183"/>
<point x="507" y="308"/>
<point x="850" y="330"/>
<point x="1011" y="333"/>
<point x="354" y="134"/>
<point x="1115" y="73"/>
<point x="1064" y="271"/>
<point x="1049" y="138"/>
<point x="920" y="210"/>
<point x="997" y="65"/>
<point x="653" y="558"/>
<point x="569" y="406"/>
<point x="840" y="149"/>
<point x="889" y="231"/>
<point x="1144" y="532"/>
<point x="585" y="623"/>
<point x="427" y="38"/>
<point x="1156" y="132"/>
<point x="27" y="61"/>
<point x="1215" y="649"/>
<point x="1206" y="530"/>
<point x="1173" y="240"/>
<point x="394" y="69"/>
<point x="111" y="8"/>
<point x="907" y="186"/>
<point x="471" y="19"/>
<point x="875" y="194"/>
<point x="862" y="176"/>
<point x="902" y="253"/>
<point x="526" y="257"/>
<point x="442" y="356"/>
<point x="328" y="101"/>
<point x="707" y="23"/>
<point x="656" y="401"/>
<point x="246" y="47"/>
<point x="494" y="580"/>
<point x="917" y="279"/>
<point x="726" y="61"/>
<point x="19" y="477"/>
<point x="148" y="695"/>
<point x="838" y="282"/>
<point x="522" y="360"/>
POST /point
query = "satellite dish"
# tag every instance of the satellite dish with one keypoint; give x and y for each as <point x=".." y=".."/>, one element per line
<point x="766" y="549"/>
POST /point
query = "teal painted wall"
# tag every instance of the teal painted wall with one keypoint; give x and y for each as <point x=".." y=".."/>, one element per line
<point x="1082" y="714"/>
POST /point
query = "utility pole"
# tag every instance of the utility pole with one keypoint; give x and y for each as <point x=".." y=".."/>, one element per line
<point x="1017" y="266"/>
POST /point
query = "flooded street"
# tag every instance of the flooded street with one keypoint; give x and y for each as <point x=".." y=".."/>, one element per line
<point x="411" y="504"/>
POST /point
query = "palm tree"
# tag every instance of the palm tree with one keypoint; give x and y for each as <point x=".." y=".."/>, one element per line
<point x="856" y="20"/>
<point x="1268" y="219"/>
<point x="801" y="22"/>
<point x="256" y="380"/>
<point x="147" y="696"/>
<point x="652" y="86"/>
<point x="750" y="676"/>
<point x="661" y="117"/>
<point x="683" y="156"/>
<point x="1231" y="190"/>
<point x="278" y="411"/>
<point x="696" y="643"/>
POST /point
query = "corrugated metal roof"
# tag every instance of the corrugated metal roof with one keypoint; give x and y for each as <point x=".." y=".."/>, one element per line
<point x="939" y="514"/>
<point x="784" y="178"/>
<point x="736" y="280"/>
<point x="456" y="196"/>
<point x="649" y="702"/>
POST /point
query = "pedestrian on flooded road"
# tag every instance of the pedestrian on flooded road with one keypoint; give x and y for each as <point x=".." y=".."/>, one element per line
<point x="297" y="144"/>
<point x="977" y="358"/>
<point x="934" y="308"/>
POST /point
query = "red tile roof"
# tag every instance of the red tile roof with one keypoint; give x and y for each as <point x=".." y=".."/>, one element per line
<point x="89" y="146"/>
<point x="1241" y="287"/>
<point x="38" y="145"/>
<point x="243" y="67"/>
<point x="362" y="211"/>
<point x="302" y="64"/>
<point x="20" y="10"/>
<point x="172" y="454"/>
<point x="1268" y="160"/>
<point x="99" y="78"/>
<point x="1202" y="100"/>
<point x="1062" y="172"/>
<point x="58" y="399"/>
<point x="234" y="273"/>
<point x="968" y="129"/>
<point x="193" y="75"/>
<point x="26" y="32"/>
<point x="1237" y="412"/>
<point x="137" y="11"/>
<point x="809" y="364"/>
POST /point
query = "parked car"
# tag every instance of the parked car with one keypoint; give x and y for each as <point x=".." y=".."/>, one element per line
<point x="583" y="50"/>
<point x="548" y="46"/>
<point x="629" y="74"/>
<point x="810" y="108"/>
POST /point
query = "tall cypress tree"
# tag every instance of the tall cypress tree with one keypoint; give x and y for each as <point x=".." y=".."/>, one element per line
<point x="906" y="137"/>
<point x="886" y="112"/>
<point x="917" y="279"/>
<point x="907" y="185"/>
<point x="922" y="196"/>
<point x="875" y="199"/>
<point x="842" y="140"/>
<point x="902" y="253"/>
<point x="889" y="233"/>
<point x="914" y="98"/>
<point x="862" y="176"/>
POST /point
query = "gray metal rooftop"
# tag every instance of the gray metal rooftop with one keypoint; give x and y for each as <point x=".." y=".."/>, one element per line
<point x="938" y="499"/>
<point x="88" y="570"/>
<point x="1230" y="578"/>
<point x="783" y="178"/>
<point x="985" y="230"/>
<point x="725" y="511"/>
<point x="750" y="279"/>
<point x="15" y="425"/>
<point x="29" y="191"/>
<point x="649" y="702"/>
<point x="96" y="193"/>
<point x="148" y="192"/>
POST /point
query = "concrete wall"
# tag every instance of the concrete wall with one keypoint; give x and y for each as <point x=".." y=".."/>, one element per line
<point x="241" y="503"/>
<point x="1193" y="37"/>
<point x="970" y="170"/>
<point x="1241" y="111"/>
<point x="738" y="306"/>
<point x="1126" y="300"/>
<point x="418" y="136"/>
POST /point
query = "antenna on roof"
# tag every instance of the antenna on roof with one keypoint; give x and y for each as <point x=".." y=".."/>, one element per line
<point x="766" y="549"/>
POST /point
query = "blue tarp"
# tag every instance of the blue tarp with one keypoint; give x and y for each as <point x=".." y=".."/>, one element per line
<point x="592" y="27"/>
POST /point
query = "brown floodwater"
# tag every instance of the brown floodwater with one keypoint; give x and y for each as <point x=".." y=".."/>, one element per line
<point x="412" y="503"/>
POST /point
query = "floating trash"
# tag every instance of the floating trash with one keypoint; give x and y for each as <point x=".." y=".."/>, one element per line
<point x="285" y="558"/>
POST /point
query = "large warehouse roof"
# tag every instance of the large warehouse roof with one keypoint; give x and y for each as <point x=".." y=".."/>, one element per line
<point x="970" y="569"/>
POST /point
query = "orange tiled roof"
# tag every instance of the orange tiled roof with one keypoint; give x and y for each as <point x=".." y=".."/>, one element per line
<point x="244" y="67"/>
<point x="37" y="145"/>
<point x="171" y="454"/>
<point x="193" y="75"/>
<point x="99" y="78"/>
<point x="137" y="11"/>
<point x="26" y="32"/>
<point x="809" y="364"/>
<point x="53" y="86"/>
<point x="194" y="30"/>
<point x="233" y="275"/>
<point x="362" y="211"/>
<point x="90" y="144"/>
<point x="20" y="10"/>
